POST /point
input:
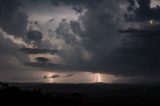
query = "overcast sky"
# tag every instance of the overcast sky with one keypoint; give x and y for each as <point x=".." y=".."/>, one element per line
<point x="80" y="41"/>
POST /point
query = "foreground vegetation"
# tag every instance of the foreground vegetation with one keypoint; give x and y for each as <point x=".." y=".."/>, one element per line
<point x="12" y="95"/>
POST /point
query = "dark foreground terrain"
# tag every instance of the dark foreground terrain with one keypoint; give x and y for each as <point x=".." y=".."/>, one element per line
<point x="78" y="94"/>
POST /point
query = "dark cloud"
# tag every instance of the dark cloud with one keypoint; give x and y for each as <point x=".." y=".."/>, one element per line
<point x="55" y="76"/>
<point x="69" y="75"/>
<point x="42" y="59"/>
<point x="51" y="20"/>
<point x="43" y="65"/>
<point x="99" y="36"/>
<point x="102" y="39"/>
<point x="93" y="42"/>
<point x="142" y="32"/>
<point x="37" y="51"/>
<point x="89" y="3"/>
<point x="34" y="35"/>
<point x="78" y="9"/>
<point x="45" y="77"/>
<point x="76" y="27"/>
<point x="12" y="20"/>
<point x="144" y="12"/>
<point x="140" y="57"/>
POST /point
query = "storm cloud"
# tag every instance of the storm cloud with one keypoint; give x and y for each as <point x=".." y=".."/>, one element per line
<point x="34" y="36"/>
<point x="13" y="20"/>
<point x="143" y="12"/>
<point x="114" y="37"/>
<point x="141" y="54"/>
<point x="140" y="57"/>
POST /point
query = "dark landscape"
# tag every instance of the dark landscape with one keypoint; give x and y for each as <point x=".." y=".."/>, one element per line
<point x="78" y="94"/>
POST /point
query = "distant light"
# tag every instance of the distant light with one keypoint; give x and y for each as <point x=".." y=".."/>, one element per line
<point x="151" y="22"/>
<point x="98" y="78"/>
<point x="50" y="80"/>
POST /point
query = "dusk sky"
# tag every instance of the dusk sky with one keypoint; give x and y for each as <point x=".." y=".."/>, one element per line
<point x="80" y="41"/>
